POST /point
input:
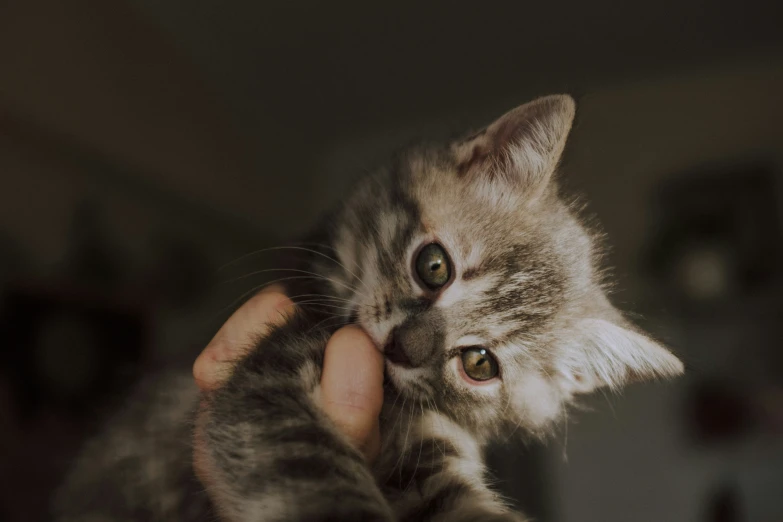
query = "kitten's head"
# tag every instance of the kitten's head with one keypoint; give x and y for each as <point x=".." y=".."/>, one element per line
<point x="480" y="284"/>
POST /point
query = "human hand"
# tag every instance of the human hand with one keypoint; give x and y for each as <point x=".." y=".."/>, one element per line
<point x="351" y="381"/>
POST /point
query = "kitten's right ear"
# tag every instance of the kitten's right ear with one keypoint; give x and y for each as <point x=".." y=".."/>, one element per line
<point x="523" y="146"/>
<point x="603" y="353"/>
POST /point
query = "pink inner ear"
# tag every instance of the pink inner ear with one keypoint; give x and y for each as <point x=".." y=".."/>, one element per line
<point x="509" y="130"/>
<point x="489" y="141"/>
<point x="493" y="141"/>
<point x="477" y="156"/>
<point x="524" y="145"/>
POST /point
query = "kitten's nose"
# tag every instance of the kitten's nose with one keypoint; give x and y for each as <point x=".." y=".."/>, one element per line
<point x="394" y="350"/>
<point x="413" y="342"/>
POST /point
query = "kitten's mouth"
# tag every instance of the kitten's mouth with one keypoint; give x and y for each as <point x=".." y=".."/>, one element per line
<point x="406" y="382"/>
<point x="392" y="374"/>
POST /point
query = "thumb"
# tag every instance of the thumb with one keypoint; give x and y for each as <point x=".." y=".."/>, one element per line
<point x="352" y="387"/>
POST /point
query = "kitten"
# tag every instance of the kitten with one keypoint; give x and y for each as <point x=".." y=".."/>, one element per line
<point x="482" y="287"/>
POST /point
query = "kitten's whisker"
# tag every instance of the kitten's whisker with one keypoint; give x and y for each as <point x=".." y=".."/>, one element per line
<point x="405" y="443"/>
<point x="519" y="423"/>
<point x="259" y="287"/>
<point x="289" y="247"/>
<point x="525" y="353"/>
<point x="330" y="318"/>
<point x="431" y="404"/>
<point x="326" y="305"/>
<point x="396" y="398"/>
<point x="440" y="421"/>
<point x="322" y="245"/>
<point x="324" y="302"/>
<point x="313" y="274"/>
<point x="399" y="413"/>
<point x="334" y="259"/>
<point x="395" y="435"/>
<point x="254" y="253"/>
<point x="329" y="258"/>
<point x="245" y="256"/>
<point x="273" y="281"/>
<point x="325" y="296"/>
<point x="506" y="407"/>
<point x="341" y="321"/>
<point x="236" y="301"/>
<point x="355" y="264"/>
<point x="308" y="250"/>
<point x="418" y="458"/>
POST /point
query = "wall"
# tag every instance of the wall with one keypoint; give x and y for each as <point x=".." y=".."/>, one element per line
<point x="628" y="458"/>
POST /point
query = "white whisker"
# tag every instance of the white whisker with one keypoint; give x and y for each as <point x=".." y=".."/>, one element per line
<point x="312" y="274"/>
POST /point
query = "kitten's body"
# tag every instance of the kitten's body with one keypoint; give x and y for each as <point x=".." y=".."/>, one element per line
<point x="524" y="285"/>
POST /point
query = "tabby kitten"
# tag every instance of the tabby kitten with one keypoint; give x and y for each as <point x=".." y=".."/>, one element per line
<point x="481" y="286"/>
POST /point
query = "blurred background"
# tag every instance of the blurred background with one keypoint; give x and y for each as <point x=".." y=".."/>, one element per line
<point x="145" y="144"/>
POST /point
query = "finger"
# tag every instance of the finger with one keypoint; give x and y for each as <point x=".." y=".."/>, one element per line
<point x="251" y="320"/>
<point x="224" y="347"/>
<point x="352" y="385"/>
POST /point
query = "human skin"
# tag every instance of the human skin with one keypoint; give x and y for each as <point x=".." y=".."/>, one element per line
<point x="351" y="381"/>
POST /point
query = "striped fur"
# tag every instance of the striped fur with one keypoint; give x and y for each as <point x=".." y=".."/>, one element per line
<point x="527" y="287"/>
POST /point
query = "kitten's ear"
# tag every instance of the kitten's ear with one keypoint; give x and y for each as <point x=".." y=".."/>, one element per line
<point x="522" y="146"/>
<point x="606" y="354"/>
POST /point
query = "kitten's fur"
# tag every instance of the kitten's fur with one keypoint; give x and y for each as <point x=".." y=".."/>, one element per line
<point x="527" y="287"/>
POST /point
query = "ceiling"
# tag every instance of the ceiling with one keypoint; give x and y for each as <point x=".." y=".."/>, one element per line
<point x="310" y="69"/>
<point x="237" y="103"/>
<point x="301" y="77"/>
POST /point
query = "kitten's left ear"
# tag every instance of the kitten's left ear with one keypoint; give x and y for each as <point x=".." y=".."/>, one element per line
<point x="523" y="146"/>
<point x="607" y="354"/>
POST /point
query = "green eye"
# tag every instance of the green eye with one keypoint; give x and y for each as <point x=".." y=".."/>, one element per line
<point x="432" y="266"/>
<point x="479" y="364"/>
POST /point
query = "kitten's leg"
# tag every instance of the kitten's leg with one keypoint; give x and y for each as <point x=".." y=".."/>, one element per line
<point x="440" y="477"/>
<point x="274" y="453"/>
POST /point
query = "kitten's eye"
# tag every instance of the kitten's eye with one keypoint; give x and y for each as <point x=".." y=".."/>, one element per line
<point x="432" y="266"/>
<point x="479" y="364"/>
